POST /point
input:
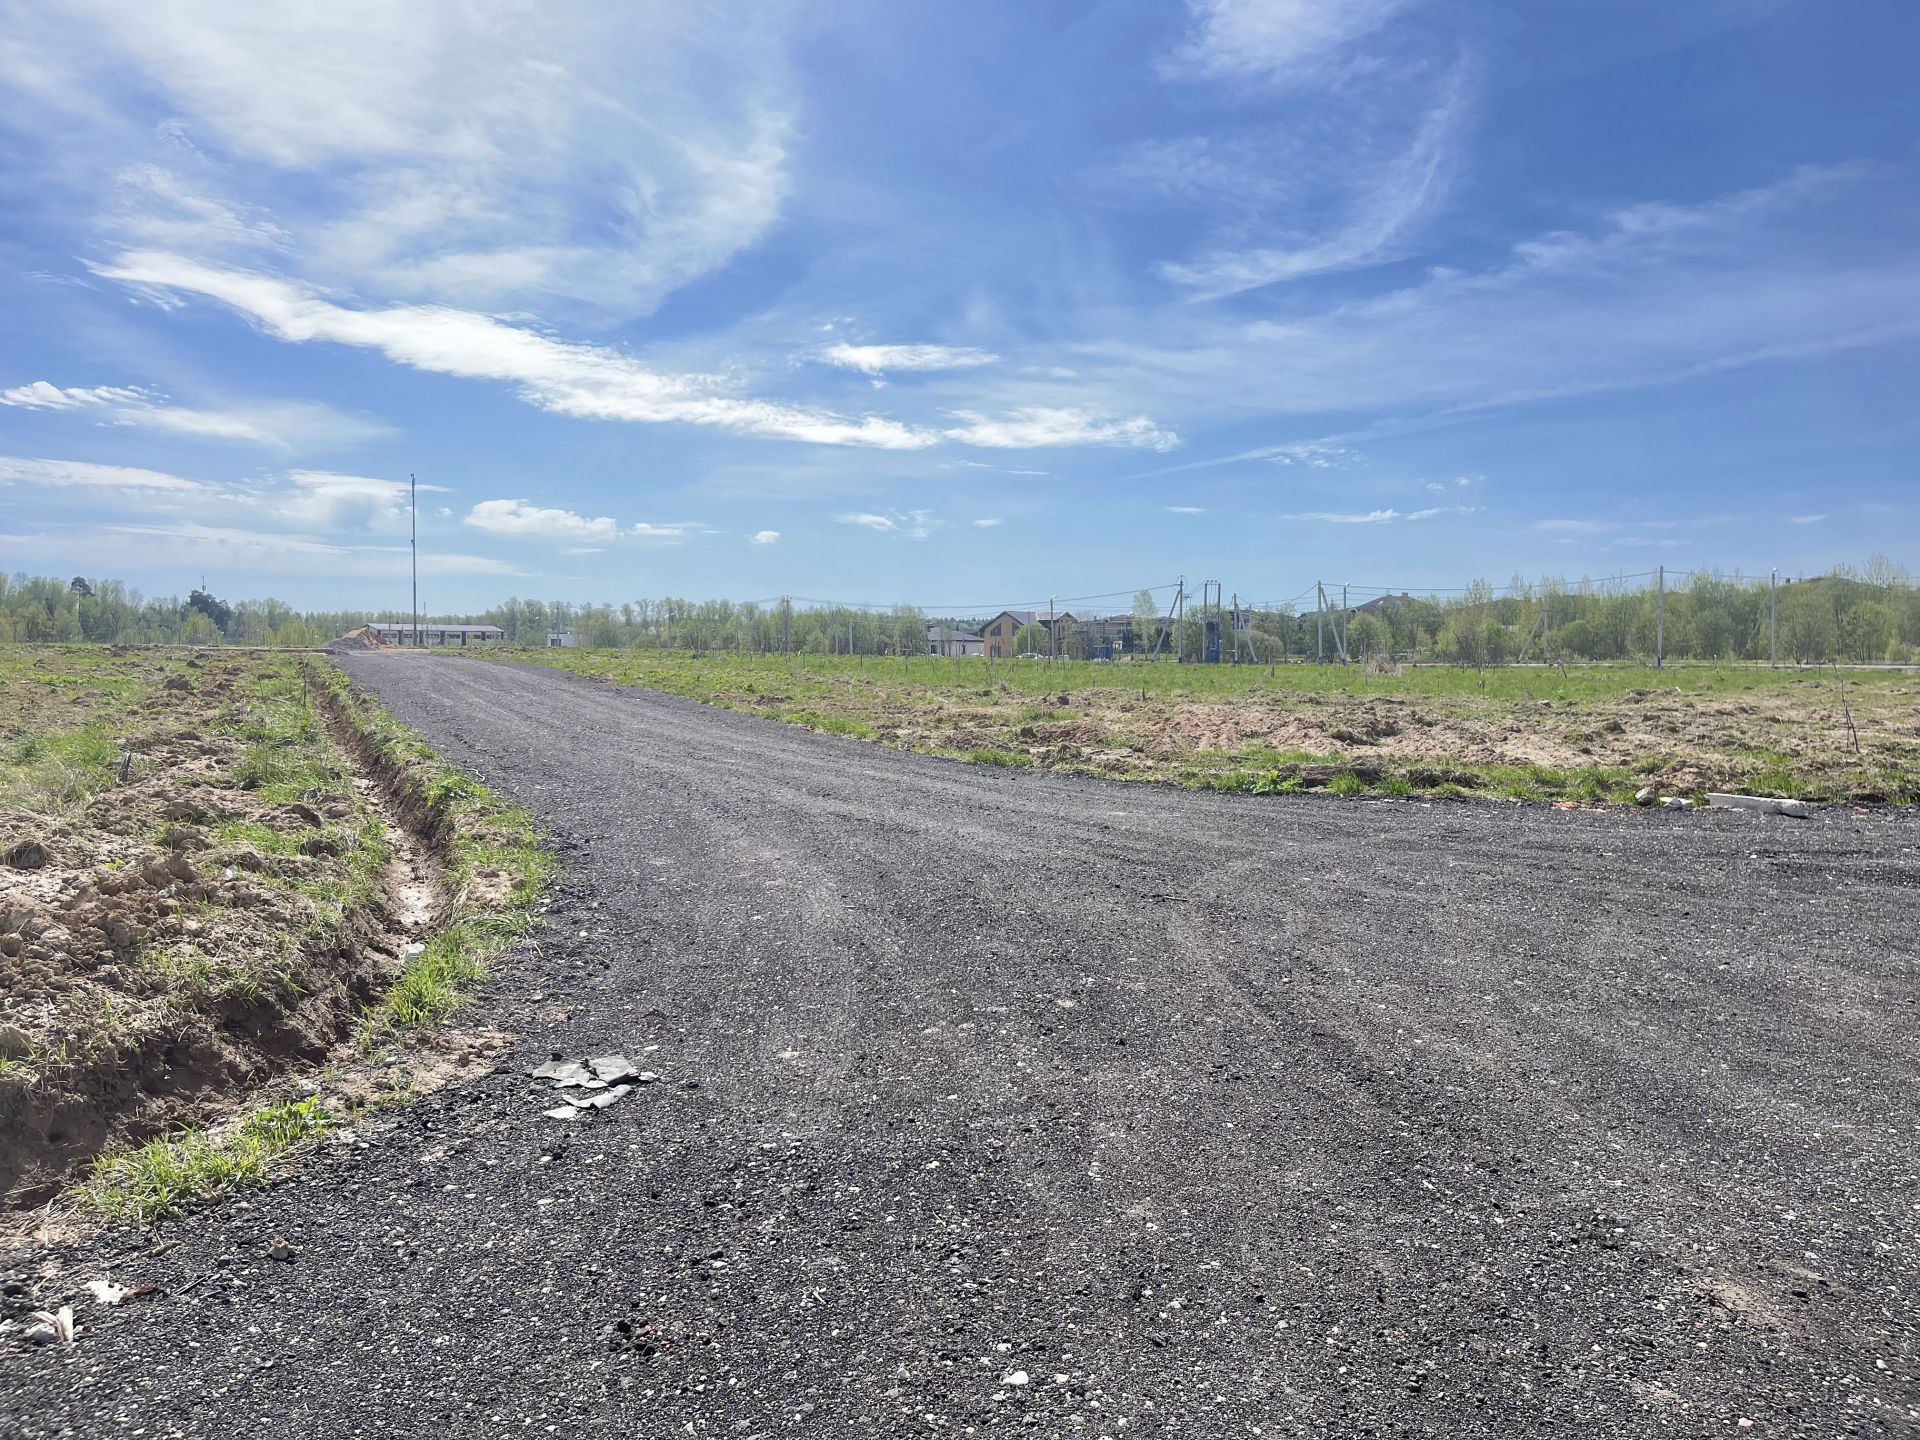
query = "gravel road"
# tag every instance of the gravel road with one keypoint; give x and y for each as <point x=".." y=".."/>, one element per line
<point x="995" y="1101"/>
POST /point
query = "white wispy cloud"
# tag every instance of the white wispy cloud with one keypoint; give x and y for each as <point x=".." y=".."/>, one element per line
<point x="987" y="522"/>
<point x="85" y="475"/>
<point x="239" y="548"/>
<point x="764" y="537"/>
<point x="519" y="520"/>
<point x="1330" y="517"/>
<point x="1364" y="213"/>
<point x="1036" y="426"/>
<point x="280" y="425"/>
<point x="882" y="359"/>
<point x="1187" y="509"/>
<point x="490" y="155"/>
<point x="1648" y="295"/>
<point x="1359" y="152"/>
<point x="584" y="381"/>
<point x="914" y="524"/>
<point x="1272" y="39"/>
<point x="346" y="502"/>
<point x="1314" y="454"/>
<point x="44" y="395"/>
<point x="1805" y="519"/>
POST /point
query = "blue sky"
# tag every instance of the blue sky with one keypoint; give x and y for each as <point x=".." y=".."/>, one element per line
<point x="954" y="304"/>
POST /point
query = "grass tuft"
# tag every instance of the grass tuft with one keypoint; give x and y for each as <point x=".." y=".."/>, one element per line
<point x="1005" y="759"/>
<point x="163" y="1177"/>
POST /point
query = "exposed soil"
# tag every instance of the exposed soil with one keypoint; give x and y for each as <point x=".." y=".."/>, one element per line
<point x="363" y="637"/>
<point x="1544" y="733"/>
<point x="186" y="936"/>
<point x="1677" y="740"/>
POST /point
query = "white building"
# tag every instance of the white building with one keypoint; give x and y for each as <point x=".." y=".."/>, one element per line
<point x="944" y="640"/>
<point x="433" y="632"/>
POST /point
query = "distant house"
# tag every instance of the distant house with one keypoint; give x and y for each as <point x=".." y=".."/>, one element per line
<point x="562" y="640"/>
<point x="947" y="640"/>
<point x="1382" y="602"/>
<point x="433" y="632"/>
<point x="1003" y="631"/>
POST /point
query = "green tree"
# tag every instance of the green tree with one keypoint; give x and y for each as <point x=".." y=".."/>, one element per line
<point x="1368" y="634"/>
<point x="1146" y="621"/>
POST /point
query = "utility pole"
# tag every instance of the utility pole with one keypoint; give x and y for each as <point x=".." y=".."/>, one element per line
<point x="1546" y="625"/>
<point x="1320" y="623"/>
<point x="1180" y="625"/>
<point x="413" y="544"/>
<point x="1660" y="621"/>
<point x="1346" y="622"/>
<point x="786" y="623"/>
<point x="1052" y="625"/>
<point x="1773" y="619"/>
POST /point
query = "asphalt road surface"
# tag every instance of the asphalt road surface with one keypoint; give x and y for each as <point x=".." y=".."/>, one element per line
<point x="1000" y="1102"/>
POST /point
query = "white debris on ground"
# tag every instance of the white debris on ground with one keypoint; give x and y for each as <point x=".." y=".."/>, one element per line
<point x="1795" y="808"/>
<point x="593" y="1084"/>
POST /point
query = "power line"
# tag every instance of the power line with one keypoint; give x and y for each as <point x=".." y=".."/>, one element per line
<point x="972" y="608"/>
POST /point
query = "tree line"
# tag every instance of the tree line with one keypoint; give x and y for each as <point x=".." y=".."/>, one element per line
<point x="1870" y="614"/>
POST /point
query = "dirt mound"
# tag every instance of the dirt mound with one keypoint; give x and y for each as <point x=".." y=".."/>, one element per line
<point x="361" y="638"/>
<point x="207" y="922"/>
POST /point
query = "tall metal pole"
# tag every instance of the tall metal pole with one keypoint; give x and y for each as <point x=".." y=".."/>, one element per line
<point x="413" y="545"/>
<point x="1320" y="623"/>
<point x="1660" y="622"/>
<point x="1346" y="622"/>
<point x="1773" y="619"/>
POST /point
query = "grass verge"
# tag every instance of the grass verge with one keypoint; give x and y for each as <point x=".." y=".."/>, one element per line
<point x="496" y="866"/>
<point x="494" y="871"/>
<point x="163" y="1177"/>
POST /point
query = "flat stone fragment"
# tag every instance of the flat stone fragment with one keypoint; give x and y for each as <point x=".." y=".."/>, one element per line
<point x="562" y="1112"/>
<point x="611" y="1067"/>
<point x="568" y="1072"/>
<point x="605" y="1097"/>
<point x="547" y="1070"/>
<point x="1795" y="808"/>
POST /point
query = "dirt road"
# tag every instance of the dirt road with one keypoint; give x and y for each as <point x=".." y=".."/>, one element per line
<point x="1014" y="1102"/>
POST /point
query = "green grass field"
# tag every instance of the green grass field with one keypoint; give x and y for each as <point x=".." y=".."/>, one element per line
<point x="1582" y="733"/>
